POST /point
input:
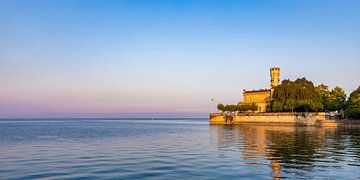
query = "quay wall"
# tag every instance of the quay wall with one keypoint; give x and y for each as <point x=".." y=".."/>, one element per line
<point x="340" y="123"/>
<point x="305" y="119"/>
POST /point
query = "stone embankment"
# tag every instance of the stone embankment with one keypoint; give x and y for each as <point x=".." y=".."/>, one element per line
<point x="296" y="118"/>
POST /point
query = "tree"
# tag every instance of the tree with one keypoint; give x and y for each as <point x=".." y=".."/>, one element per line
<point x="221" y="107"/>
<point x="229" y="108"/>
<point x="332" y="100"/>
<point x="298" y="95"/>
<point x="353" y="110"/>
<point x="232" y="108"/>
<point x="353" y="113"/>
<point x="253" y="107"/>
<point x="324" y="92"/>
<point x="241" y="108"/>
<point x="336" y="99"/>
<point x="290" y="105"/>
<point x="277" y="106"/>
<point x="354" y="99"/>
<point x="305" y="105"/>
<point x="247" y="107"/>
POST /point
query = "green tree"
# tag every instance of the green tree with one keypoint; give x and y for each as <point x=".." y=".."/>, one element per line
<point x="290" y="104"/>
<point x="305" y="105"/>
<point x="324" y="92"/>
<point x="227" y="108"/>
<point x="277" y="106"/>
<point x="298" y="95"/>
<point x="230" y="108"/>
<point x="221" y="107"/>
<point x="353" y="110"/>
<point x="240" y="108"/>
<point x="354" y="98"/>
<point x="353" y="113"/>
<point x="247" y="107"/>
<point x="336" y="99"/>
<point x="253" y="107"/>
<point x="233" y="108"/>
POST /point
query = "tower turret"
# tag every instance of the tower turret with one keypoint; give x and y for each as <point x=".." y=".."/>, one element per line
<point x="275" y="78"/>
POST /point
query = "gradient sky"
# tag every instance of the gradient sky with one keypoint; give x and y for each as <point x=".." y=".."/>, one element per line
<point x="84" y="58"/>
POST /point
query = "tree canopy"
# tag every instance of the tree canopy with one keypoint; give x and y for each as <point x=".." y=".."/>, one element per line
<point x="353" y="110"/>
<point x="337" y="99"/>
<point x="231" y="108"/>
<point x="299" y="95"/>
<point x="354" y="99"/>
<point x="332" y="100"/>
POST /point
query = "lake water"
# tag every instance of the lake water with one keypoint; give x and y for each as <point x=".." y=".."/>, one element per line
<point x="174" y="149"/>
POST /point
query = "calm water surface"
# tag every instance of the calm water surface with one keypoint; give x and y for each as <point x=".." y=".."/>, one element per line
<point x="174" y="149"/>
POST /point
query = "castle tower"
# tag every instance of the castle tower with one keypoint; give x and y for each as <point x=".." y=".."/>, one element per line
<point x="275" y="78"/>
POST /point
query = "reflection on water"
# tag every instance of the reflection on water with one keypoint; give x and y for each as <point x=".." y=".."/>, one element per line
<point x="174" y="149"/>
<point x="294" y="151"/>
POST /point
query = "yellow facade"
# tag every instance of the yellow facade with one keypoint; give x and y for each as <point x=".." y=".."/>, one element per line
<point x="260" y="97"/>
<point x="263" y="97"/>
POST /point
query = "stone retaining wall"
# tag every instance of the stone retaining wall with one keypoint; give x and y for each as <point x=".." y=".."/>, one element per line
<point x="305" y="119"/>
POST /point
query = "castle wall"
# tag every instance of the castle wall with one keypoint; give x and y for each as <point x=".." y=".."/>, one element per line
<point x="257" y="96"/>
<point x="262" y="99"/>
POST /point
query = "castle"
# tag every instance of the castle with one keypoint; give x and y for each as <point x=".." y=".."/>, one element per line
<point x="263" y="97"/>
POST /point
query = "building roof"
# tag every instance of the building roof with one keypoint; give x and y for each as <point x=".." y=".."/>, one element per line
<point x="256" y="91"/>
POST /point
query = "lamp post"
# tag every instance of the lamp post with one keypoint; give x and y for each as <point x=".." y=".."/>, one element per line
<point x="212" y="105"/>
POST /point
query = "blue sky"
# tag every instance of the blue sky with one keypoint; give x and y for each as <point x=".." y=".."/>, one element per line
<point x="166" y="58"/>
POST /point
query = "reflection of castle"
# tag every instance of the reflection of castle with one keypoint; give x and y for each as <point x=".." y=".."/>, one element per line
<point x="262" y="97"/>
<point x="289" y="145"/>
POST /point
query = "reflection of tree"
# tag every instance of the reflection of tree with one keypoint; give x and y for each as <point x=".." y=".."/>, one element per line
<point x="355" y="143"/>
<point x="290" y="147"/>
<point x="299" y="145"/>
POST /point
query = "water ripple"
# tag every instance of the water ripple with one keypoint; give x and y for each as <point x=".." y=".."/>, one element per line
<point x="164" y="149"/>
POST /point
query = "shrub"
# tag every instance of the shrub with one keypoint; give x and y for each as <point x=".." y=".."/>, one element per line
<point x="277" y="106"/>
<point x="353" y="113"/>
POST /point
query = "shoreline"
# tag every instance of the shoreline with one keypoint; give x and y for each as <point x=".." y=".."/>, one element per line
<point x="319" y="119"/>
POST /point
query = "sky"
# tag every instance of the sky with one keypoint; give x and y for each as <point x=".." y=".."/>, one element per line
<point x="166" y="58"/>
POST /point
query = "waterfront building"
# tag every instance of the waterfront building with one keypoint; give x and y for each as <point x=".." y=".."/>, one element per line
<point x="263" y="97"/>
